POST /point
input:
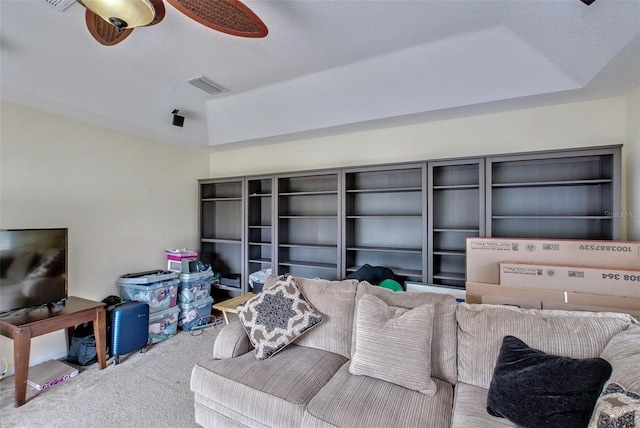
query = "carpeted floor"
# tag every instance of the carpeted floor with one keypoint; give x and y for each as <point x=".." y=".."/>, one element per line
<point x="145" y="390"/>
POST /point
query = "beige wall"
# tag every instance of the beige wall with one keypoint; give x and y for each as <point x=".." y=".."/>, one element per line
<point x="123" y="198"/>
<point x="583" y="124"/>
<point x="632" y="166"/>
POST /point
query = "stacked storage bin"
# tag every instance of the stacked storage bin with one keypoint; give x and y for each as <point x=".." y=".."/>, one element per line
<point x="194" y="298"/>
<point x="176" y="257"/>
<point x="158" y="289"/>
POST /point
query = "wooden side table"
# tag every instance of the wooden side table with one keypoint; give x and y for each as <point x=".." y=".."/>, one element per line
<point x="36" y="322"/>
<point x="231" y="305"/>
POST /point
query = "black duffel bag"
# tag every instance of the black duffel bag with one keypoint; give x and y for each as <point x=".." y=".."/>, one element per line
<point x="83" y="346"/>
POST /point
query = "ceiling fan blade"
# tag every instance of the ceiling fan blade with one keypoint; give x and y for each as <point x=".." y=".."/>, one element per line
<point x="158" y="6"/>
<point x="228" y="16"/>
<point x="104" y="32"/>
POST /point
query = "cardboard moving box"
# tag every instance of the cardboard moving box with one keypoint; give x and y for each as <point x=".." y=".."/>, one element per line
<point x="581" y="279"/>
<point x="485" y="254"/>
<point x="476" y="292"/>
<point x="530" y="298"/>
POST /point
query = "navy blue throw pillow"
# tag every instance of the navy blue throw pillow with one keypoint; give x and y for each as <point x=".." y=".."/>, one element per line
<point x="372" y="274"/>
<point x="534" y="389"/>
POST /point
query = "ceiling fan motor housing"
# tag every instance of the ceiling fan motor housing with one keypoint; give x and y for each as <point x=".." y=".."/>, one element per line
<point x="118" y="23"/>
<point x="123" y="13"/>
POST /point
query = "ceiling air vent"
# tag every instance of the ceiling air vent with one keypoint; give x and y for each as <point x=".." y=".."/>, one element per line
<point x="60" y="5"/>
<point x="207" y="85"/>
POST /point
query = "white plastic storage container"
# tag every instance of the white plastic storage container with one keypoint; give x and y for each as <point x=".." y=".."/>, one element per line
<point x="158" y="289"/>
<point x="195" y="286"/>
<point x="195" y="313"/>
<point x="258" y="278"/>
<point x="163" y="324"/>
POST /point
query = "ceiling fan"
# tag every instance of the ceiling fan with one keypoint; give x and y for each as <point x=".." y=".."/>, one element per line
<point x="112" y="21"/>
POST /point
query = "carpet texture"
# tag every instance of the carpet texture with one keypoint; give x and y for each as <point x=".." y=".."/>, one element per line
<point x="145" y="390"/>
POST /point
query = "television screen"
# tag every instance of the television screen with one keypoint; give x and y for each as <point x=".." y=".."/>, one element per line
<point x="33" y="268"/>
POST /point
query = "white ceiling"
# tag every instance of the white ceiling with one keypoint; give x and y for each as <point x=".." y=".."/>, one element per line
<point x="325" y="67"/>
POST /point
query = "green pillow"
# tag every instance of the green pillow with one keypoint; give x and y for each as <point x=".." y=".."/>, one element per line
<point x="391" y="285"/>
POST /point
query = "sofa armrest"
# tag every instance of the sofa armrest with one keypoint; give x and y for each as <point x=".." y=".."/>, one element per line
<point x="231" y="342"/>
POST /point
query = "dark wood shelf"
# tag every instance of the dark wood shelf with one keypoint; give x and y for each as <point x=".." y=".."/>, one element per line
<point x="552" y="217"/>
<point x="389" y="216"/>
<point x="234" y="199"/>
<point x="458" y="230"/>
<point x="456" y="276"/>
<point x="308" y="264"/>
<point x="227" y="288"/>
<point x="387" y="249"/>
<point x="221" y="241"/>
<point x="310" y="245"/>
<point x="555" y="183"/>
<point x="386" y="190"/>
<point x="453" y="253"/>
<point x="457" y="187"/>
<point x="303" y="217"/>
<point x="311" y="193"/>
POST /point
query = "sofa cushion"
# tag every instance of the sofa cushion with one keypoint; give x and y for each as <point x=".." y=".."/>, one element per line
<point x="443" y="348"/>
<point x="276" y="317"/>
<point x="335" y="300"/>
<point x="362" y="401"/>
<point x="273" y="391"/>
<point x="470" y="409"/>
<point x="394" y="344"/>
<point x="575" y="334"/>
<point x="619" y="403"/>
<point x="623" y="352"/>
<point x="534" y="389"/>
<point x="231" y="341"/>
<point x="210" y="414"/>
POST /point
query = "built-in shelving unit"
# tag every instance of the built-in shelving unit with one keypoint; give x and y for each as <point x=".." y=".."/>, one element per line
<point x="456" y="201"/>
<point x="221" y="231"/>
<point x="554" y="195"/>
<point x="411" y="217"/>
<point x="384" y="224"/>
<point x="259" y="224"/>
<point x="308" y="224"/>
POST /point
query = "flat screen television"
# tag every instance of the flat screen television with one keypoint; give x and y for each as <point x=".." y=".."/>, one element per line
<point x="33" y="268"/>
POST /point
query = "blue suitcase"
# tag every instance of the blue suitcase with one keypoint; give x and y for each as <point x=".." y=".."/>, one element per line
<point x="129" y="328"/>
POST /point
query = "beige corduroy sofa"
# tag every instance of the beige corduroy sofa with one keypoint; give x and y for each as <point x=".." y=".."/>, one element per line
<point x="308" y="383"/>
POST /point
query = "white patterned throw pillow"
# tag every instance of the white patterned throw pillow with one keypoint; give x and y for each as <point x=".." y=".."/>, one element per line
<point x="616" y="408"/>
<point x="276" y="317"/>
<point x="619" y="403"/>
